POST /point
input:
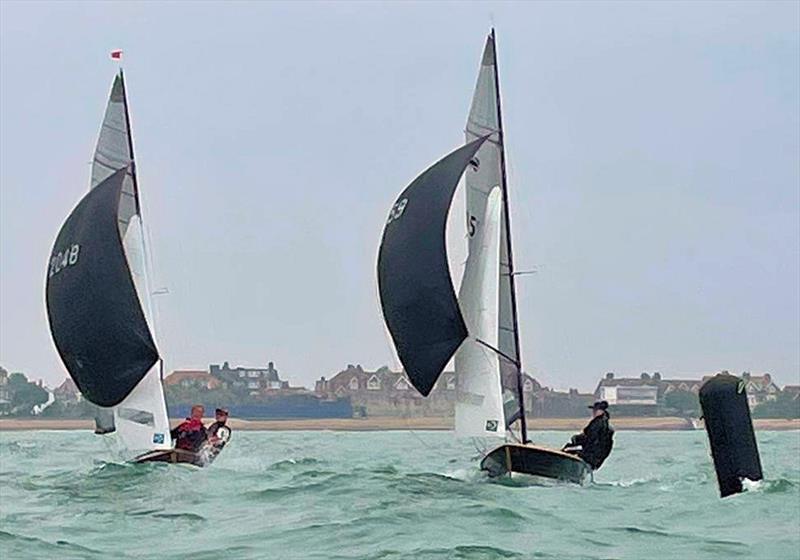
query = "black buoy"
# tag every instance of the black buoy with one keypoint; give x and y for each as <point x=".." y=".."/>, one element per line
<point x="730" y="432"/>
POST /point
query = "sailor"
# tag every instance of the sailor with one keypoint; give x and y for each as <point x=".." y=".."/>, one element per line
<point x="594" y="443"/>
<point x="218" y="432"/>
<point x="191" y="434"/>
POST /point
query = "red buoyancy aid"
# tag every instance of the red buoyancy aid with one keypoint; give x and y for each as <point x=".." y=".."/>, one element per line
<point x="191" y="434"/>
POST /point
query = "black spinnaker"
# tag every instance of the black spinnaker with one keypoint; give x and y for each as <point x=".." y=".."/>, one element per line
<point x="95" y="315"/>
<point x="734" y="449"/>
<point x="417" y="296"/>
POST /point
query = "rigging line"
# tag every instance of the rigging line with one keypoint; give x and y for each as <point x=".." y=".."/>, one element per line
<point x="499" y="352"/>
<point x="480" y="449"/>
<point x="437" y="449"/>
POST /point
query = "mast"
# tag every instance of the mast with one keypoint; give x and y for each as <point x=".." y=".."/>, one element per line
<point x="504" y="186"/>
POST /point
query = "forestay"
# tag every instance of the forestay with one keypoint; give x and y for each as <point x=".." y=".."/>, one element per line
<point x="484" y="174"/>
<point x="416" y="292"/>
<point x="479" y="404"/>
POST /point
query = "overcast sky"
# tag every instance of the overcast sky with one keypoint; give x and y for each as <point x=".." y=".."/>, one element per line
<point x="654" y="168"/>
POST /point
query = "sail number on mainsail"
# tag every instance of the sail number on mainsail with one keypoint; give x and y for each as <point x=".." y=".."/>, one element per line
<point x="63" y="259"/>
<point x="397" y="210"/>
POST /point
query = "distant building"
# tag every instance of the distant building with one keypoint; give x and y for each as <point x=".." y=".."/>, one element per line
<point x="387" y="393"/>
<point x="645" y="394"/>
<point x="192" y="379"/>
<point x="383" y="392"/>
<point x="5" y="393"/>
<point x="760" y="388"/>
<point x="636" y="395"/>
<point x="689" y="385"/>
<point x="793" y="391"/>
<point x="252" y="379"/>
<point x="548" y="403"/>
<point x="67" y="392"/>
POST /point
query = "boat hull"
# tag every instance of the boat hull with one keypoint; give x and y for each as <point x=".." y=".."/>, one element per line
<point x="510" y="459"/>
<point x="201" y="458"/>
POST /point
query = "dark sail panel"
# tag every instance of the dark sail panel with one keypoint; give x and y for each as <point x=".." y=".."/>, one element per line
<point x="95" y="316"/>
<point x="730" y="432"/>
<point x="417" y="296"/>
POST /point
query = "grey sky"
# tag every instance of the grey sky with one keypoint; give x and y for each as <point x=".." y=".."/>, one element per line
<point x="655" y="176"/>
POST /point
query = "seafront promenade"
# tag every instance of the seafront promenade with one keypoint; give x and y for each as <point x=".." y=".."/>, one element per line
<point x="380" y="423"/>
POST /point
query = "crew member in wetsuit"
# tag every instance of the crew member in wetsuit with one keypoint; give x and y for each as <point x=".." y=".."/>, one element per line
<point x="218" y="432"/>
<point x="594" y="443"/>
<point x="191" y="434"/>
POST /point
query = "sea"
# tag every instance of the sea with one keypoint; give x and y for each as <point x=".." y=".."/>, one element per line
<point x="388" y="495"/>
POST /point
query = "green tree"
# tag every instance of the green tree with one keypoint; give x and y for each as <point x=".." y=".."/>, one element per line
<point x="784" y="406"/>
<point x="24" y="395"/>
<point x="684" y="402"/>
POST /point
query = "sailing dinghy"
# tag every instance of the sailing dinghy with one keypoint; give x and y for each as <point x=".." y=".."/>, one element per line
<point x="99" y="299"/>
<point x="429" y="324"/>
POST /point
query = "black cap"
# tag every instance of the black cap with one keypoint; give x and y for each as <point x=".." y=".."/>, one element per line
<point x="222" y="411"/>
<point x="599" y="405"/>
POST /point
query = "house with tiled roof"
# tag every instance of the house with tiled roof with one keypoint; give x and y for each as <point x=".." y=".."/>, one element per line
<point x="630" y="395"/>
<point x="760" y="388"/>
<point x="383" y="392"/>
<point x="192" y="379"/>
<point x="253" y="380"/>
<point x="67" y="392"/>
<point x="793" y="391"/>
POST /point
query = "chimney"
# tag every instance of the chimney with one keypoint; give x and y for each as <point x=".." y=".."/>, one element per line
<point x="745" y="375"/>
<point x="645" y="376"/>
<point x="657" y="376"/>
<point x="767" y="378"/>
<point x="610" y="375"/>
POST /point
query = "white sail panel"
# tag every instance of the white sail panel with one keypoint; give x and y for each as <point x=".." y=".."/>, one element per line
<point x="141" y="419"/>
<point x="485" y="174"/>
<point x="135" y="252"/>
<point x="479" y="403"/>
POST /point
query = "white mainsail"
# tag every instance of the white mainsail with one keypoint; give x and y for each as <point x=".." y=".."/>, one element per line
<point x="484" y="175"/>
<point x="140" y="420"/>
<point x="479" y="403"/>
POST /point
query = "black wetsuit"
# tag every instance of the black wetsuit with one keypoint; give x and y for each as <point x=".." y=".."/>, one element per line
<point x="596" y="441"/>
<point x="213" y="428"/>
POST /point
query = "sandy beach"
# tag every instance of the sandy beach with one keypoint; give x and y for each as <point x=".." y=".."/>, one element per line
<point x="394" y="423"/>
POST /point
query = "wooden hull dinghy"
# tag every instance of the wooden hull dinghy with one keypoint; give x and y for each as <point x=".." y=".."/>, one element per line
<point x="513" y="458"/>
<point x="99" y="301"/>
<point x="202" y="458"/>
<point x="478" y="328"/>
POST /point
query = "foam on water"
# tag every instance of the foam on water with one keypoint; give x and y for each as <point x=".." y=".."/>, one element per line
<point x="386" y="495"/>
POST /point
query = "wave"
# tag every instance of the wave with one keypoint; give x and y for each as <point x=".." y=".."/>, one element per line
<point x="13" y="545"/>
<point x="770" y="486"/>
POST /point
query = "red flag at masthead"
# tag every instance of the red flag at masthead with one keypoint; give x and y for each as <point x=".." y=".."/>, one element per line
<point x="116" y="54"/>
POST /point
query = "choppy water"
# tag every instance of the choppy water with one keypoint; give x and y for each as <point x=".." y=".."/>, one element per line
<point x="388" y="495"/>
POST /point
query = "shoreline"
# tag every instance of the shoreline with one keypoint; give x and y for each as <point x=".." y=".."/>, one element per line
<point x="394" y="423"/>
